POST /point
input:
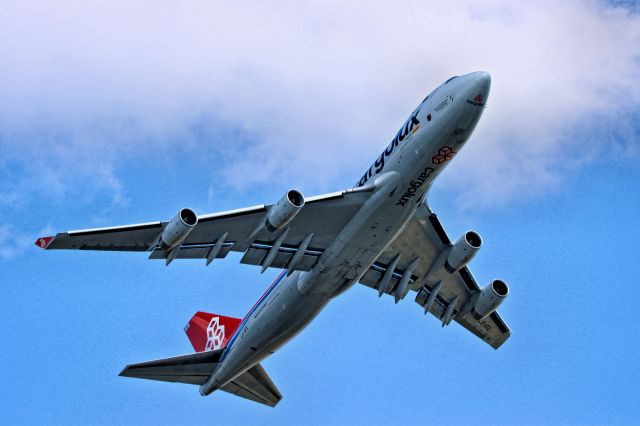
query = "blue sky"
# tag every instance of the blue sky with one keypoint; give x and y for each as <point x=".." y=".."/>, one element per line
<point x="116" y="114"/>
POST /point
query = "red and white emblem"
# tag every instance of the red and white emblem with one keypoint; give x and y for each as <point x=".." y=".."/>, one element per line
<point x="43" y="242"/>
<point x="445" y="153"/>
<point x="215" y="335"/>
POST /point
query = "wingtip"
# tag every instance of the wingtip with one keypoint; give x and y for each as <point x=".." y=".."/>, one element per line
<point x="43" y="242"/>
<point x="126" y="371"/>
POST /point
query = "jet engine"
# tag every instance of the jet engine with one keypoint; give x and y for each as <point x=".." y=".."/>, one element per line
<point x="284" y="211"/>
<point x="462" y="251"/>
<point x="178" y="228"/>
<point x="490" y="298"/>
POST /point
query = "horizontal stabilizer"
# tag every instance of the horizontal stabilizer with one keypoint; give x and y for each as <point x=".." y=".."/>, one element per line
<point x="254" y="384"/>
<point x="193" y="369"/>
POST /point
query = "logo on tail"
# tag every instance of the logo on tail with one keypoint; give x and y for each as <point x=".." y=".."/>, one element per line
<point x="210" y="332"/>
<point x="215" y="335"/>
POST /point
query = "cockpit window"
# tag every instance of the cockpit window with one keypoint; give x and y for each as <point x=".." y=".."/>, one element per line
<point x="439" y="88"/>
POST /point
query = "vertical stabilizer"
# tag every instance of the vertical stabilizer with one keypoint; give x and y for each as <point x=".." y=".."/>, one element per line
<point x="209" y="332"/>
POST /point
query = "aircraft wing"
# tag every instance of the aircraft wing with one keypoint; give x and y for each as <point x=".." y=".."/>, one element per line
<point x="307" y="234"/>
<point x="425" y="238"/>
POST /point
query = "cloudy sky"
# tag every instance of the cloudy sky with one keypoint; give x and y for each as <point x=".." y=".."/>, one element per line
<point x="121" y="112"/>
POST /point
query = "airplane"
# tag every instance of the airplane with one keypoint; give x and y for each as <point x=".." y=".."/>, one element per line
<point x="381" y="233"/>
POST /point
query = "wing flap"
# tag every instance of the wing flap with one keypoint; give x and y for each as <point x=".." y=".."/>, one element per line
<point x="192" y="251"/>
<point x="491" y="329"/>
<point x="257" y="254"/>
<point x="110" y="239"/>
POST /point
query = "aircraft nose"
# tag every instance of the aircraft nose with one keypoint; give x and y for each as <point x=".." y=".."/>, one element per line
<point x="483" y="81"/>
<point x="476" y="88"/>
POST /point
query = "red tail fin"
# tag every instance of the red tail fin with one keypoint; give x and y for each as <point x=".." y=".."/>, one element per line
<point x="208" y="332"/>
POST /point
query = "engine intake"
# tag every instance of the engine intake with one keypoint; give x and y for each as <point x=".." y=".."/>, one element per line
<point x="490" y="298"/>
<point x="178" y="229"/>
<point x="281" y="213"/>
<point x="463" y="251"/>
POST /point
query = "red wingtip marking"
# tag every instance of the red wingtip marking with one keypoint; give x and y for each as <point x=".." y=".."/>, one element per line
<point x="44" y="242"/>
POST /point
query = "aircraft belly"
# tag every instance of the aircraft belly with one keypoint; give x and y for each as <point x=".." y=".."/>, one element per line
<point x="284" y="315"/>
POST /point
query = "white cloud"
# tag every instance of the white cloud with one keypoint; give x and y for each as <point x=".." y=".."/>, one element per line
<point x="14" y="243"/>
<point x="312" y="86"/>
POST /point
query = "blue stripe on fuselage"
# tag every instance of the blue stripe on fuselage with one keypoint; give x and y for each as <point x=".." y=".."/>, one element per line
<point x="251" y="311"/>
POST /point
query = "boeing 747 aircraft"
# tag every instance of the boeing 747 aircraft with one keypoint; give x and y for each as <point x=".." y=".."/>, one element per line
<point x="380" y="233"/>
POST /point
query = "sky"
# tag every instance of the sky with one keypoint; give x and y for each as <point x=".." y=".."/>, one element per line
<point x="114" y="113"/>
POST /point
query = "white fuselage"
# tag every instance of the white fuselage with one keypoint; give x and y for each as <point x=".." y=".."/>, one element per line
<point x="400" y="178"/>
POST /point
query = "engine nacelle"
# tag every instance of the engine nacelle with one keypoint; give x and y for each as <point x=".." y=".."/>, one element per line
<point x="462" y="251"/>
<point x="490" y="298"/>
<point x="178" y="229"/>
<point x="284" y="211"/>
